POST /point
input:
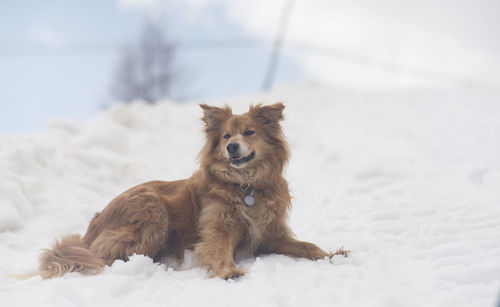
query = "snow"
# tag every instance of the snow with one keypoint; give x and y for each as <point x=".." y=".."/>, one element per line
<point x="408" y="180"/>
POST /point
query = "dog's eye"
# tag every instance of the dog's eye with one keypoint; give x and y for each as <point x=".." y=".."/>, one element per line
<point x="227" y="136"/>
<point x="249" y="132"/>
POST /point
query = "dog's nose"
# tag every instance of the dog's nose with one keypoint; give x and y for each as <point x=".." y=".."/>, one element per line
<point x="232" y="147"/>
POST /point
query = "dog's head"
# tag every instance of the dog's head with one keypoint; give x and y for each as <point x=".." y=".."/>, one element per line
<point x="251" y="143"/>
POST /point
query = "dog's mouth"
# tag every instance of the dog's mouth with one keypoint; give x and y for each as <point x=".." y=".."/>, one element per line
<point x="238" y="159"/>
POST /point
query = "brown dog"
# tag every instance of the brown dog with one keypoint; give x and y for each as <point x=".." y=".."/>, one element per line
<point x="236" y="203"/>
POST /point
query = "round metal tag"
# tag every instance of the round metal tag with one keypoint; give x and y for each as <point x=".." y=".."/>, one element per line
<point x="249" y="200"/>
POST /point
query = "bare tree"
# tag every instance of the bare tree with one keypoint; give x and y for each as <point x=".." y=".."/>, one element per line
<point x="146" y="70"/>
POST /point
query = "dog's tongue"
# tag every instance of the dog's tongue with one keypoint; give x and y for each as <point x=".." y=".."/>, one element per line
<point x="237" y="158"/>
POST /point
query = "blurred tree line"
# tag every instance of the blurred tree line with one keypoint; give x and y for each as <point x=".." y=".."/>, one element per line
<point x="146" y="70"/>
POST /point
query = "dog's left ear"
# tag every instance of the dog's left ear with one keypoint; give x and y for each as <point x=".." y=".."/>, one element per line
<point x="267" y="114"/>
<point x="214" y="116"/>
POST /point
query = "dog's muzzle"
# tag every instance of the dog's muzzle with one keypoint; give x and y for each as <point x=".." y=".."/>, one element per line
<point x="235" y="156"/>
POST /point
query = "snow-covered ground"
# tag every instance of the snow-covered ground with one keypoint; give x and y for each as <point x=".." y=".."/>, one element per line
<point x="409" y="181"/>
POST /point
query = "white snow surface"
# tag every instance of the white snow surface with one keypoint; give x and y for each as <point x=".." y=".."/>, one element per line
<point x="409" y="181"/>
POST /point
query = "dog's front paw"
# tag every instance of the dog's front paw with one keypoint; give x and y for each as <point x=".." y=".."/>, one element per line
<point x="230" y="273"/>
<point x="340" y="251"/>
<point x="312" y="251"/>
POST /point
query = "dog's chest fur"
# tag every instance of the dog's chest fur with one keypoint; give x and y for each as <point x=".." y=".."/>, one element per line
<point x="256" y="218"/>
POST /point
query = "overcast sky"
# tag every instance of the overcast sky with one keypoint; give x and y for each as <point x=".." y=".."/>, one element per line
<point x="57" y="57"/>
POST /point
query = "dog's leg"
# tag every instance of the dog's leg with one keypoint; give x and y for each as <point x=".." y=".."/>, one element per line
<point x="287" y="245"/>
<point x="220" y="234"/>
<point x="141" y="228"/>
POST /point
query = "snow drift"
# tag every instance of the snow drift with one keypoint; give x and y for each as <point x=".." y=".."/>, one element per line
<point x="409" y="181"/>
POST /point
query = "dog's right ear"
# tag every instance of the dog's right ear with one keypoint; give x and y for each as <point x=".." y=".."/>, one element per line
<point x="270" y="114"/>
<point x="214" y="116"/>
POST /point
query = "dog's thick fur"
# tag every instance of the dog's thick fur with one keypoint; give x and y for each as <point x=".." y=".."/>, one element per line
<point x="206" y="212"/>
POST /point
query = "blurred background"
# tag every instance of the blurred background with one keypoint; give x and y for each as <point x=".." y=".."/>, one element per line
<point x="393" y="118"/>
<point x="70" y="59"/>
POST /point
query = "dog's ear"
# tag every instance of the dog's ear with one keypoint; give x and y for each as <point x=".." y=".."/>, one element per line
<point x="214" y="116"/>
<point x="267" y="114"/>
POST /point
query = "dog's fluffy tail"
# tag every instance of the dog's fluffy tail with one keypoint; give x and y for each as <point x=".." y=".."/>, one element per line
<point x="70" y="254"/>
